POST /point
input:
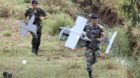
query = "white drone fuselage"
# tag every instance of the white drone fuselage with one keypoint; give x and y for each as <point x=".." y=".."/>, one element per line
<point x="76" y="37"/>
<point x="29" y="27"/>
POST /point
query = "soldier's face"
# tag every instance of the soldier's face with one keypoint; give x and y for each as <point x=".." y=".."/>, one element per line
<point x="34" y="6"/>
<point x="94" y="21"/>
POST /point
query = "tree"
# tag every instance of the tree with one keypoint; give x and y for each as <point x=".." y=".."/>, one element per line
<point x="131" y="9"/>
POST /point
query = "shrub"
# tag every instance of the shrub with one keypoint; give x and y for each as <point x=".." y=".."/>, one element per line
<point x="19" y="11"/>
<point x="5" y="11"/>
<point x="53" y="9"/>
<point x="9" y="8"/>
<point x="27" y="1"/>
<point x="7" y="33"/>
<point x="52" y="24"/>
<point x="23" y="1"/>
<point x="57" y="6"/>
<point x="136" y="69"/>
<point x="74" y="1"/>
<point x="120" y="45"/>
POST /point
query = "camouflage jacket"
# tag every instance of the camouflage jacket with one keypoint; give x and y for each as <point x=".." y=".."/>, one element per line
<point x="93" y="33"/>
<point x="38" y="13"/>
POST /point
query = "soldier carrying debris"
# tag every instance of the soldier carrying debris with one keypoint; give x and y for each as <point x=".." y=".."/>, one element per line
<point x="39" y="16"/>
<point x="95" y="34"/>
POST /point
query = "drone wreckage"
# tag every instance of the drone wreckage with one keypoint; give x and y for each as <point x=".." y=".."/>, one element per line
<point x="75" y="37"/>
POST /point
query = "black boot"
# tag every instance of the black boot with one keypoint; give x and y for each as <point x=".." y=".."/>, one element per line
<point x="33" y="50"/>
<point x="90" y="74"/>
<point x="34" y="40"/>
<point x="36" y="52"/>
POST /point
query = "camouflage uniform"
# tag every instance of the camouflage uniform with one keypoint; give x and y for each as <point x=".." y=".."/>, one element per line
<point x="38" y="13"/>
<point x="92" y="47"/>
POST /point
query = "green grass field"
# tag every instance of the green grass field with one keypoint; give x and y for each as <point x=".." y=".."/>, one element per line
<point x="54" y="60"/>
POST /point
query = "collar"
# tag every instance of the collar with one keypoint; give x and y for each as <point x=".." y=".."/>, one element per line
<point x="97" y="26"/>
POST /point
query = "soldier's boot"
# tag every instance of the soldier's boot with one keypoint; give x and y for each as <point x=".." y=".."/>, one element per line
<point x="36" y="52"/>
<point x="90" y="77"/>
<point x="33" y="50"/>
<point x="38" y="42"/>
<point x="90" y="74"/>
<point x="34" y="40"/>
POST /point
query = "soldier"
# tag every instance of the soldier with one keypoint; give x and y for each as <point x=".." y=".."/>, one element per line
<point x="39" y="16"/>
<point x="95" y="34"/>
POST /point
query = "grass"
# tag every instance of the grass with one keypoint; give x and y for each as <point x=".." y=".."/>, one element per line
<point x="54" y="61"/>
<point x="7" y="33"/>
<point x="120" y="46"/>
<point x="38" y="67"/>
<point x="54" y="21"/>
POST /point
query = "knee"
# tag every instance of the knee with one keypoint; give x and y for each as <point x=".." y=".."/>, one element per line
<point x="34" y="39"/>
<point x="97" y="53"/>
<point x="89" y="68"/>
<point x="91" y="61"/>
<point x="35" y="36"/>
<point x="39" y="36"/>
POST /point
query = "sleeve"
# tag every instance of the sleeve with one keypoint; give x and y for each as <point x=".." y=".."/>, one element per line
<point x="43" y="13"/>
<point x="101" y="28"/>
<point x="102" y="32"/>
<point x="87" y="27"/>
<point x="27" y="13"/>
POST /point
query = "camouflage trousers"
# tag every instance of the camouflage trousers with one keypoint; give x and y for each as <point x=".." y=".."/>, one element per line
<point x="91" y="58"/>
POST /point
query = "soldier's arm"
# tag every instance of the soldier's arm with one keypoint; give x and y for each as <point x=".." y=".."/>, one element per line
<point x="102" y="36"/>
<point x="86" y="30"/>
<point x="44" y="15"/>
<point x="26" y="15"/>
<point x="26" y="19"/>
<point x="102" y="55"/>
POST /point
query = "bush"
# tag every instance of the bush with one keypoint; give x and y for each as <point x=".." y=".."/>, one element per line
<point x="5" y="11"/>
<point x="19" y="11"/>
<point x="23" y="1"/>
<point x="7" y="33"/>
<point x="27" y="1"/>
<point x="136" y="69"/>
<point x="74" y="1"/>
<point x="52" y="24"/>
<point x="53" y="9"/>
<point x="57" y="6"/>
<point x="120" y="45"/>
<point x="121" y="49"/>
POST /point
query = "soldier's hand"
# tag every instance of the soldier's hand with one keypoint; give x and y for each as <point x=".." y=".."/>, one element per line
<point x="41" y="18"/>
<point x="99" y="39"/>
<point x="103" y="55"/>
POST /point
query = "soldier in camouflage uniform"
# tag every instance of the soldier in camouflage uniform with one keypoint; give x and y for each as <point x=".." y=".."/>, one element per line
<point x="39" y="16"/>
<point x="95" y="33"/>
